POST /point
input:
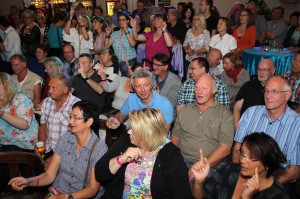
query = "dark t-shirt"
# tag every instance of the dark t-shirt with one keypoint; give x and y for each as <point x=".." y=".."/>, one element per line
<point x="83" y="91"/>
<point x="252" y="93"/>
<point x="211" y="23"/>
<point x="178" y="31"/>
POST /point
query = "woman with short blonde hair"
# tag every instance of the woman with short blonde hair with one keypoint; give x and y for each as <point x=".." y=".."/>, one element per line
<point x="144" y="163"/>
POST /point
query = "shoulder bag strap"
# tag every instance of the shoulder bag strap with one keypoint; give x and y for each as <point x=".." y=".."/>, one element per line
<point x="122" y="49"/>
<point x="89" y="162"/>
<point x="58" y="37"/>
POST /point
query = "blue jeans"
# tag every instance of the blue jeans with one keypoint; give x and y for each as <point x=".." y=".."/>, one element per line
<point x="123" y="67"/>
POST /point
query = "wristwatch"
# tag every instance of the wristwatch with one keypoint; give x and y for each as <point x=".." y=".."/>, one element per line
<point x="87" y="78"/>
<point x="70" y="196"/>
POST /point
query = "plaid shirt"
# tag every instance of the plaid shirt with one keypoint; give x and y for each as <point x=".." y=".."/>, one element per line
<point x="57" y="121"/>
<point x="295" y="87"/>
<point x="186" y="94"/>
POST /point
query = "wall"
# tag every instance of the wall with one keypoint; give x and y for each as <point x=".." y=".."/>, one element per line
<point x="4" y="7"/>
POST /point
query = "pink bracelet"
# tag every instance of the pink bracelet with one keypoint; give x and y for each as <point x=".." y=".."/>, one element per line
<point x="236" y="125"/>
<point x="118" y="161"/>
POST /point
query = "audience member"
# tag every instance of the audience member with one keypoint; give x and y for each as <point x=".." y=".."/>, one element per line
<point x="260" y="159"/>
<point x="205" y="7"/>
<point x="108" y="70"/>
<point x="277" y="27"/>
<point x="41" y="21"/>
<point x="55" y="113"/>
<point x="294" y="17"/>
<point x="277" y="120"/>
<point x="140" y="23"/>
<point x="260" y="23"/>
<point x="55" y="35"/>
<point x="196" y="40"/>
<point x="234" y="13"/>
<point x="188" y="15"/>
<point x="82" y="37"/>
<point x="224" y="41"/>
<point x="29" y="82"/>
<point x="97" y="12"/>
<point x="30" y="34"/>
<point x="180" y="7"/>
<point x="186" y="95"/>
<point x="149" y="164"/>
<point x="292" y="39"/>
<point x="11" y="44"/>
<point x="245" y="31"/>
<point x="116" y="10"/>
<point x="293" y="76"/>
<point x="36" y="64"/>
<point x="140" y="8"/>
<point x="87" y="84"/>
<point x="122" y="42"/>
<point x="234" y="75"/>
<point x="175" y="26"/>
<point x="251" y="93"/>
<point x="72" y="169"/>
<point x="166" y="83"/>
<point x="99" y="25"/>
<point x="158" y="40"/>
<point x="70" y="65"/>
<point x="144" y="96"/>
<point x="214" y="58"/>
<point x="205" y="124"/>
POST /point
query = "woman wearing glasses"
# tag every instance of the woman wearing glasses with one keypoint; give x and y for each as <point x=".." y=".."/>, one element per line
<point x="245" y="31"/>
<point x="144" y="163"/>
<point x="71" y="171"/>
<point x="254" y="177"/>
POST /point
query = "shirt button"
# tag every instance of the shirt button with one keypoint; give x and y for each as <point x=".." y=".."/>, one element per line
<point x="200" y="117"/>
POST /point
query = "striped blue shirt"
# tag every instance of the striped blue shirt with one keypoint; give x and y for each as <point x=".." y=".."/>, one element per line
<point x="285" y="130"/>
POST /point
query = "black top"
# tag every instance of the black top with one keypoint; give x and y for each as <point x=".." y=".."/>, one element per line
<point x="289" y="36"/>
<point x="178" y="31"/>
<point x="211" y="23"/>
<point x="222" y="182"/>
<point x="30" y="40"/>
<point x="169" y="177"/>
<point x="252" y="93"/>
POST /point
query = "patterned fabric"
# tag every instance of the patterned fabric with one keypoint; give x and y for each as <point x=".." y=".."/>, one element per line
<point x="186" y="94"/>
<point x="71" y="175"/>
<point x="295" y="87"/>
<point x="284" y="130"/>
<point x="129" y="50"/>
<point x="9" y="135"/>
<point x="57" y="121"/>
<point x="196" y="42"/>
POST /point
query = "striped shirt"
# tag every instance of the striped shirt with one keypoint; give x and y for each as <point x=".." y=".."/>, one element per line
<point x="285" y="130"/>
<point x="186" y="93"/>
<point x="57" y="121"/>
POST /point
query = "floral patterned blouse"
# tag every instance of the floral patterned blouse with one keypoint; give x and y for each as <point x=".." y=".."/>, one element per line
<point x="9" y="135"/>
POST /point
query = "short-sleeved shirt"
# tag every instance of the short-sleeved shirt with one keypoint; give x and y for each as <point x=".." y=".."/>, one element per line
<point x="211" y="23"/>
<point x="21" y="107"/>
<point x="252" y="94"/>
<point x="295" y="87"/>
<point x="186" y="93"/>
<point x="205" y="130"/>
<point x="71" y="174"/>
<point x="261" y="25"/>
<point x="158" y="101"/>
<point x="57" y="121"/>
<point x="224" y="44"/>
<point x="284" y="130"/>
<point x="128" y="50"/>
<point x="279" y="28"/>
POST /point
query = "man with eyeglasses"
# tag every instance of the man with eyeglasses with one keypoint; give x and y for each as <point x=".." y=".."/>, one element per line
<point x="186" y="96"/>
<point x="277" y="120"/>
<point x="205" y="7"/>
<point x="251" y="93"/>
<point x="70" y="63"/>
<point x="166" y="83"/>
<point x="55" y="113"/>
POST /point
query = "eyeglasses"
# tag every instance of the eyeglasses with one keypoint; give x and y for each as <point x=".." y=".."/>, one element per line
<point x="248" y="158"/>
<point x="76" y="117"/>
<point x="264" y="70"/>
<point x="154" y="64"/>
<point x="274" y="92"/>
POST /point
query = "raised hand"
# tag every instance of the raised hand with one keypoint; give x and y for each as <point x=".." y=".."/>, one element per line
<point x="18" y="183"/>
<point x="101" y="71"/>
<point x="200" y="169"/>
<point x="164" y="27"/>
<point x="72" y="12"/>
<point x="108" y="30"/>
<point x="251" y="187"/>
<point x="132" y="22"/>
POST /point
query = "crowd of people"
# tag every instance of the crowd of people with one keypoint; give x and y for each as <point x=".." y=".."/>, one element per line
<point x="214" y="133"/>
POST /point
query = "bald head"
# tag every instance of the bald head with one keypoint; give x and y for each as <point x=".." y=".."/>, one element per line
<point x="265" y="70"/>
<point x="205" y="90"/>
<point x="213" y="57"/>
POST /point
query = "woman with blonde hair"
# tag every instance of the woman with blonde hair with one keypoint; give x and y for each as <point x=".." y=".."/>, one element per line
<point x="196" y="40"/>
<point x="82" y="37"/>
<point x="234" y="75"/>
<point x="144" y="163"/>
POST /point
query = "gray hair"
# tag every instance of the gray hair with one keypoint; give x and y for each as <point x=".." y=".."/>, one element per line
<point x="61" y="76"/>
<point x="142" y="73"/>
<point x="53" y="63"/>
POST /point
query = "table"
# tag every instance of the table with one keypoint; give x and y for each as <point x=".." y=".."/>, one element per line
<point x="177" y="59"/>
<point x="252" y="56"/>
